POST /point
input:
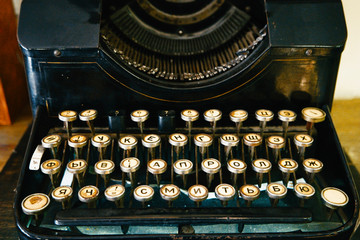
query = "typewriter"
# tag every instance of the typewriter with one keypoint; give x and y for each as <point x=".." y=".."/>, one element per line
<point x="183" y="119"/>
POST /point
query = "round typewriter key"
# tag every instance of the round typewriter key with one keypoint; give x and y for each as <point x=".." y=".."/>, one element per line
<point x="263" y="116"/>
<point x="128" y="143"/>
<point x="238" y="116"/>
<point x="311" y="167"/>
<point x="157" y="167"/>
<point x="312" y="115"/>
<point x="189" y="116"/>
<point x="286" y="116"/>
<point x="143" y="193"/>
<point x="276" y="143"/>
<point x="115" y="193"/>
<point x="104" y="168"/>
<point x="88" y="116"/>
<point x="198" y="193"/>
<point x="252" y="140"/>
<point x="151" y="141"/>
<point x="35" y="204"/>
<point x="225" y="192"/>
<point x="78" y="168"/>
<point x="203" y="141"/>
<point x="261" y="166"/>
<point x="68" y="116"/>
<point x="302" y="141"/>
<point x="288" y="166"/>
<point x="52" y="142"/>
<point x="275" y="192"/>
<point x="170" y="193"/>
<point x="51" y="167"/>
<point x="229" y="141"/>
<point x="211" y="166"/>
<point x="249" y="193"/>
<point x="212" y="116"/>
<point x="183" y="167"/>
<point x="237" y="166"/>
<point x="178" y="141"/>
<point x="130" y="166"/>
<point x="62" y="194"/>
<point x="101" y="141"/>
<point x="77" y="142"/>
<point x="89" y="194"/>
<point x="304" y="191"/>
<point x="334" y="198"/>
<point x="140" y="116"/>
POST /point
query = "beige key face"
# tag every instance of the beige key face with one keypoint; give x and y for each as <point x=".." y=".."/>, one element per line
<point x="62" y="193"/>
<point x="189" y="115"/>
<point x="183" y="166"/>
<point x="114" y="192"/>
<point x="77" y="141"/>
<point x="288" y="165"/>
<point x="169" y="192"/>
<point x="303" y="139"/>
<point x="276" y="142"/>
<point x="236" y="166"/>
<point x="224" y="191"/>
<point x="304" y="190"/>
<point x="88" y="113"/>
<point x="76" y="166"/>
<point x="252" y="139"/>
<point x="238" y="115"/>
<point x="203" y="140"/>
<point x="312" y="114"/>
<point x="261" y="165"/>
<point x="178" y="139"/>
<point x="35" y="203"/>
<point x="88" y="193"/>
<point x="143" y="193"/>
<point x="157" y="166"/>
<point x="104" y="167"/>
<point x="334" y="197"/>
<point x="287" y="115"/>
<point x="276" y="190"/>
<point x="198" y="193"/>
<point x="50" y="166"/>
<point x="264" y="115"/>
<point x="51" y="141"/>
<point x="229" y="140"/>
<point x="151" y="140"/>
<point x="139" y="115"/>
<point x="249" y="192"/>
<point x="68" y="113"/>
<point x="210" y="165"/>
<point x="312" y="165"/>
<point x="129" y="165"/>
<point x="128" y="142"/>
<point x="212" y="115"/>
<point x="101" y="140"/>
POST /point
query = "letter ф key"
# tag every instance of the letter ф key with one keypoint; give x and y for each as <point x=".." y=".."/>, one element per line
<point x="51" y="167"/>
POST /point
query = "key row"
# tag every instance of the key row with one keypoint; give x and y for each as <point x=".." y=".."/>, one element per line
<point x="36" y="203"/>
<point x="178" y="141"/>
<point x="311" y="115"/>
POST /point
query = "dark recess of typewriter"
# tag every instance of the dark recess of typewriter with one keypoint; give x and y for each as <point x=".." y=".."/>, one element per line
<point x="183" y="119"/>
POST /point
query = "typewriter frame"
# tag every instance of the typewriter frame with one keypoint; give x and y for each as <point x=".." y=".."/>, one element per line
<point x="48" y="56"/>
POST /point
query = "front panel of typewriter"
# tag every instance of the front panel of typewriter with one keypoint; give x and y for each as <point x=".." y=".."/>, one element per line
<point x="182" y="119"/>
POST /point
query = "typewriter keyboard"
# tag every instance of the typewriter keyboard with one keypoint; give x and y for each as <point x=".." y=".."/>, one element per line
<point x="234" y="179"/>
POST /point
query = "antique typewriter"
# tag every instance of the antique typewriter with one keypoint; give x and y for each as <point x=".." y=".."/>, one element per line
<point x="183" y="119"/>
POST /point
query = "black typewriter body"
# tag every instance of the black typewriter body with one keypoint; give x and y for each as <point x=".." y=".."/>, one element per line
<point x="167" y="56"/>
